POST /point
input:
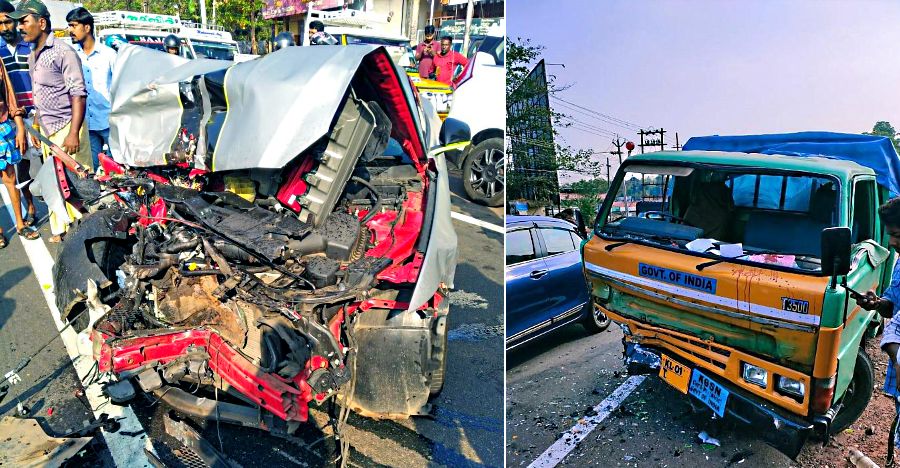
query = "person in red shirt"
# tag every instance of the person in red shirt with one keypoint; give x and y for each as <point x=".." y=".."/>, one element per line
<point x="425" y="52"/>
<point x="447" y="60"/>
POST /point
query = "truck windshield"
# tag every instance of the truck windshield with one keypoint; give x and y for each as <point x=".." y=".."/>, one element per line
<point x="214" y="50"/>
<point x="754" y="215"/>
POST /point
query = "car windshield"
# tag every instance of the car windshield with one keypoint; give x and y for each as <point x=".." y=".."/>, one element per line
<point x="744" y="213"/>
<point x="494" y="46"/>
<point x="215" y="50"/>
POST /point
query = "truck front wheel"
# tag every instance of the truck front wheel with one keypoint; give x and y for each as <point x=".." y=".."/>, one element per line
<point x="858" y="394"/>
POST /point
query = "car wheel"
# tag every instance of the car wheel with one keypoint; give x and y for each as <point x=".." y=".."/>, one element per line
<point x="484" y="173"/>
<point x="858" y="394"/>
<point x="595" y="321"/>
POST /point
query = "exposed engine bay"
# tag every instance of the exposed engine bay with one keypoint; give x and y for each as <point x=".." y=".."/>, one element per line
<point x="280" y="287"/>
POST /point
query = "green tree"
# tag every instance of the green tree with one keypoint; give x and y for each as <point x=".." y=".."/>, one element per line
<point x="591" y="193"/>
<point x="883" y="128"/>
<point x="529" y="120"/>
<point x="242" y="18"/>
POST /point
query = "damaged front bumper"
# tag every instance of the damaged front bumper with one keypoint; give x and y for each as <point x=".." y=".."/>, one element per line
<point x="786" y="432"/>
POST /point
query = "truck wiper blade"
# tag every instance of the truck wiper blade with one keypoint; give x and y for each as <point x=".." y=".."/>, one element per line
<point x="616" y="236"/>
<point x="610" y="247"/>
<point x="701" y="266"/>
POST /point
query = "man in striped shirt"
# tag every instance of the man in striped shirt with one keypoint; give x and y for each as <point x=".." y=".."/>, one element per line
<point x="14" y="53"/>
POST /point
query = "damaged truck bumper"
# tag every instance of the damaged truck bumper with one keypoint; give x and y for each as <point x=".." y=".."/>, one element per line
<point x="787" y="433"/>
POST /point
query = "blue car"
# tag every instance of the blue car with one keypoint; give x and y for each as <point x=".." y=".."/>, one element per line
<point x="545" y="286"/>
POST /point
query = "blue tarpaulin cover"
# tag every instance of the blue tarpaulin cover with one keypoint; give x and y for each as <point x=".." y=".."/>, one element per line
<point x="874" y="152"/>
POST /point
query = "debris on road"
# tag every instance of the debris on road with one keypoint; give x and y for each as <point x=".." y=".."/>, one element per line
<point x="860" y="460"/>
<point x="706" y="439"/>
<point x="24" y="443"/>
<point x="738" y="458"/>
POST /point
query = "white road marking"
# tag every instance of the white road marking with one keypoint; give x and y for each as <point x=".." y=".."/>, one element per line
<point x="558" y="451"/>
<point x="122" y="448"/>
<point x="477" y="222"/>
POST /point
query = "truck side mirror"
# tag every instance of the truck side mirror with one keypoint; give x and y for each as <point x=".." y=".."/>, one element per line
<point x="454" y="131"/>
<point x="835" y="251"/>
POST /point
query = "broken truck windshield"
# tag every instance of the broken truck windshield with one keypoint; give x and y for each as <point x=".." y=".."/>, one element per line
<point x="765" y="217"/>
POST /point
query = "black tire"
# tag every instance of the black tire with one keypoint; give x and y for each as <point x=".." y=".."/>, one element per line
<point x="858" y="394"/>
<point x="594" y="320"/>
<point x="438" y="356"/>
<point x="484" y="173"/>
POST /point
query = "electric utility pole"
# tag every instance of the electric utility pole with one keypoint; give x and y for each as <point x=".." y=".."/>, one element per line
<point x="650" y="142"/>
<point x="618" y="143"/>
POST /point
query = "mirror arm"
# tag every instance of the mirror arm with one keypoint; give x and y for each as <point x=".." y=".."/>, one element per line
<point x="443" y="149"/>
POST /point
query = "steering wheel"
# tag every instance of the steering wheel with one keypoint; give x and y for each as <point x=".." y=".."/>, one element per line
<point x="663" y="216"/>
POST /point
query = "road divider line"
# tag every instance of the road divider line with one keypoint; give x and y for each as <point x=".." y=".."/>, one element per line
<point x="571" y="438"/>
<point x="122" y="448"/>
<point x="477" y="222"/>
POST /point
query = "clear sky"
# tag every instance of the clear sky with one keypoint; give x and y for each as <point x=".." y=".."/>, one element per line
<point x="703" y="67"/>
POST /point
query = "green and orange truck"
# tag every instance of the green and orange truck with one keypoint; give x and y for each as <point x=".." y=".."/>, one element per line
<point x="731" y="266"/>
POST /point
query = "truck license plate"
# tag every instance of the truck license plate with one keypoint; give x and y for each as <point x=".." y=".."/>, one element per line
<point x="712" y="394"/>
<point x="674" y="373"/>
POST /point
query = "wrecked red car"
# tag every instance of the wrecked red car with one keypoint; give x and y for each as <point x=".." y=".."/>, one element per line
<point x="277" y="229"/>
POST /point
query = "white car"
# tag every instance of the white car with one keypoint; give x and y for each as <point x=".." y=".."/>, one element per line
<point x="477" y="102"/>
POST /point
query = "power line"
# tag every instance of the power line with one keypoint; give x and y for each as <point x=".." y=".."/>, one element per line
<point x="592" y="127"/>
<point x="589" y="126"/>
<point x="592" y="132"/>
<point x="601" y="114"/>
<point x="592" y="115"/>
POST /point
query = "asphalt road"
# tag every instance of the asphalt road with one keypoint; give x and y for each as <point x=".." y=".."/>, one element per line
<point x="553" y="382"/>
<point x="467" y="423"/>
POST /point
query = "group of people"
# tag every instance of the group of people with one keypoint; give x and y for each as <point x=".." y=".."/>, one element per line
<point x="61" y="91"/>
<point x="438" y="62"/>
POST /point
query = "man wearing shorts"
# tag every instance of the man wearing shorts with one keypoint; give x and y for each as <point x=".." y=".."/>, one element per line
<point x="14" y="52"/>
<point x="12" y="145"/>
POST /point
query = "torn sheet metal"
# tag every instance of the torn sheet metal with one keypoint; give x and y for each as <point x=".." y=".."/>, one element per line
<point x="24" y="443"/>
<point x="146" y="109"/>
<point x="276" y="104"/>
<point x="266" y="98"/>
<point x="639" y="360"/>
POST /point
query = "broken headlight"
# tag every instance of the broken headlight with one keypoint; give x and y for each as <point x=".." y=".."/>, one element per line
<point x="601" y="293"/>
<point x="754" y="374"/>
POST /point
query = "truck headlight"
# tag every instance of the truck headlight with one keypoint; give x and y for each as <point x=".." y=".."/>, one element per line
<point x="791" y="386"/>
<point x="754" y="374"/>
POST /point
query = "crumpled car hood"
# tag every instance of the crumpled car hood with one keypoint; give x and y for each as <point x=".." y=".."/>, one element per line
<point x="278" y="105"/>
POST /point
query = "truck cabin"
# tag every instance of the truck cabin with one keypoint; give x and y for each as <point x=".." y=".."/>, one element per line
<point x="766" y="209"/>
